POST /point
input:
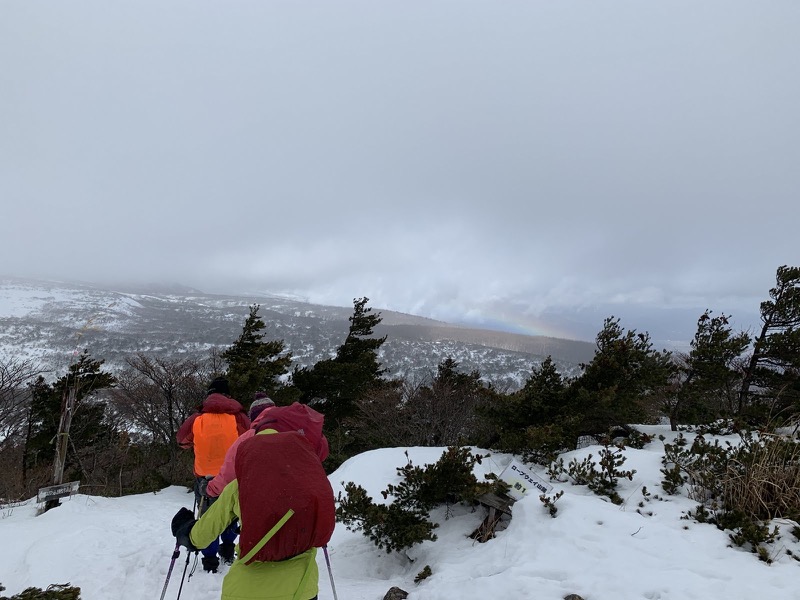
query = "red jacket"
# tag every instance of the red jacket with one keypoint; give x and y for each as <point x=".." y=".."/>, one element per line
<point x="227" y="471"/>
<point x="211" y="432"/>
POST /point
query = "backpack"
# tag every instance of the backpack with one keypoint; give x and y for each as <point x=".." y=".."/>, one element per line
<point x="279" y="474"/>
<point x="300" y="418"/>
<point x="213" y="434"/>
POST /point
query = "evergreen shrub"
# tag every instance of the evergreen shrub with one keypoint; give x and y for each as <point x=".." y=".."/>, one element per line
<point x="601" y="477"/>
<point x="424" y="574"/>
<point x="740" y="488"/>
<point x="53" y="592"/>
<point x="405" y="521"/>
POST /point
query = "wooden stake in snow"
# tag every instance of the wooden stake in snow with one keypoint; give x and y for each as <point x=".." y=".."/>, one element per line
<point x="62" y="441"/>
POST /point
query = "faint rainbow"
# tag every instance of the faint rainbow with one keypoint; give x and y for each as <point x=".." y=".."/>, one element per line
<point x="526" y="325"/>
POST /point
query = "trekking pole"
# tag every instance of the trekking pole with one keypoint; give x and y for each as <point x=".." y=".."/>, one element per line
<point x="175" y="554"/>
<point x="330" y="572"/>
<point x="188" y="554"/>
<point x="186" y="566"/>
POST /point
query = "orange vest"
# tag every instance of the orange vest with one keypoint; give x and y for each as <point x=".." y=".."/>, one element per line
<point x="213" y="434"/>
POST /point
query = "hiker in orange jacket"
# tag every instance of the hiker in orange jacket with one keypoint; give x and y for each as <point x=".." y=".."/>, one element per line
<point x="210" y="432"/>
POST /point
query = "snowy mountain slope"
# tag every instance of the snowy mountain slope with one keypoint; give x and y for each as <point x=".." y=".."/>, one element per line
<point x="51" y="321"/>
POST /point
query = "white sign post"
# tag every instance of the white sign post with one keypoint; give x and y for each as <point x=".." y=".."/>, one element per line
<point x="521" y="479"/>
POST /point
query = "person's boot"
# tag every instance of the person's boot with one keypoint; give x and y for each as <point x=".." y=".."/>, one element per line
<point x="227" y="552"/>
<point x="210" y="563"/>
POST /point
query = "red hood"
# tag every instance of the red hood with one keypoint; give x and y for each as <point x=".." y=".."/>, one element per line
<point x="219" y="403"/>
<point x="262" y="415"/>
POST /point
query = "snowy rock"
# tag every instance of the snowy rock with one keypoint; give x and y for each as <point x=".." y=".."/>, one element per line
<point x="395" y="593"/>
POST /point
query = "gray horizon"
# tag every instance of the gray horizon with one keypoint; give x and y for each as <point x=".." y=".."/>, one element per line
<point x="529" y="166"/>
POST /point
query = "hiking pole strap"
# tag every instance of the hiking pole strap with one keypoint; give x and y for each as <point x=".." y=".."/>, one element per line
<point x="254" y="550"/>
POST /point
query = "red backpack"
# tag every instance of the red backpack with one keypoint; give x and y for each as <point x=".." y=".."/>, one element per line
<point x="283" y="490"/>
<point x="300" y="418"/>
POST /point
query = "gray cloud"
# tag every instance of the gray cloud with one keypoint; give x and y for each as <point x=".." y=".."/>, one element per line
<point x="451" y="159"/>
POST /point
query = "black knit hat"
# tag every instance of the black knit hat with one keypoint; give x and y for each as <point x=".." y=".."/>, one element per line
<point x="219" y="386"/>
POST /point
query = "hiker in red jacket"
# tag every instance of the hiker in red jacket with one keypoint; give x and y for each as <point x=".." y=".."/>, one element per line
<point x="211" y="432"/>
<point x="265" y="415"/>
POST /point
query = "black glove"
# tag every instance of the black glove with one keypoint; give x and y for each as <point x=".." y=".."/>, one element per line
<point x="202" y="485"/>
<point x="182" y="524"/>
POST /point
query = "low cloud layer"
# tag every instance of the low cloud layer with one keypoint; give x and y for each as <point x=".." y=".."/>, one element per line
<point x="464" y="161"/>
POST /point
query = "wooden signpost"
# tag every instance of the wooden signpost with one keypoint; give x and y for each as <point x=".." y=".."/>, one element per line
<point x="520" y="480"/>
<point x="53" y="492"/>
<point x="58" y="490"/>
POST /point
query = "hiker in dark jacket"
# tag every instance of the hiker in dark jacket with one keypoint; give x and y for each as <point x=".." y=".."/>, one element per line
<point x="210" y="432"/>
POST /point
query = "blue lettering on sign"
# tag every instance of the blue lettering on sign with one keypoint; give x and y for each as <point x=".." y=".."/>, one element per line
<point x="529" y="479"/>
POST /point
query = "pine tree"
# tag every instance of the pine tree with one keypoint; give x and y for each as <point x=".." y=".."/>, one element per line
<point x="361" y="346"/>
<point x="623" y="383"/>
<point x="254" y="364"/>
<point x="771" y="375"/>
<point x="89" y="424"/>
<point x="335" y="385"/>
<point x="541" y="398"/>
<point x="710" y="374"/>
<point x="42" y="420"/>
<point x="532" y="421"/>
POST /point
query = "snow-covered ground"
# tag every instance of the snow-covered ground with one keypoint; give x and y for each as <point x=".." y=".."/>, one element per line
<point x="120" y="548"/>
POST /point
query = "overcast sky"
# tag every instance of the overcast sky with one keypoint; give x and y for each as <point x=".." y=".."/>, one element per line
<point x="500" y="162"/>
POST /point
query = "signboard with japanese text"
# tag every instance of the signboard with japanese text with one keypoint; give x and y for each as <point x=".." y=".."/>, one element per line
<point x="57" y="491"/>
<point x="521" y="480"/>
